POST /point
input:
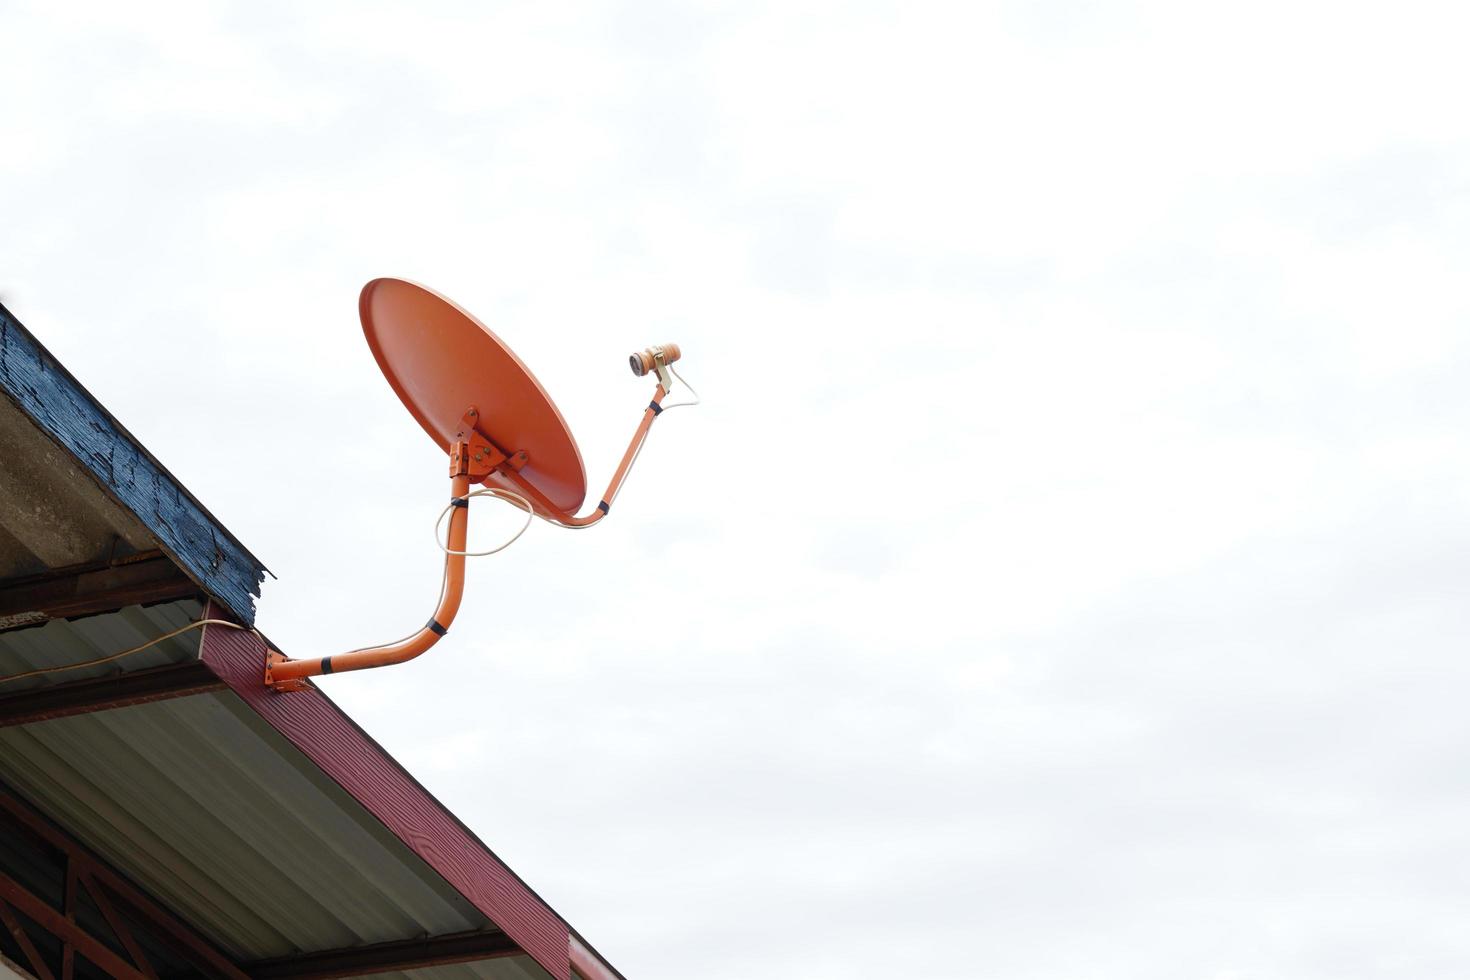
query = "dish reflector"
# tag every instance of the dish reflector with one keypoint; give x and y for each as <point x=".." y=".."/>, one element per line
<point x="442" y="361"/>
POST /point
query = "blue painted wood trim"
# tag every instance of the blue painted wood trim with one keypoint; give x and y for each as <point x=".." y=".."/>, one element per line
<point x="44" y="390"/>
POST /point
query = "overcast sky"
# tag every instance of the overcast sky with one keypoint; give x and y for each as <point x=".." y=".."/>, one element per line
<point x="1066" y="574"/>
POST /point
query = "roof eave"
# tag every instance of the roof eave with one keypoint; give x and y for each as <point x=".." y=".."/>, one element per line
<point x="47" y="393"/>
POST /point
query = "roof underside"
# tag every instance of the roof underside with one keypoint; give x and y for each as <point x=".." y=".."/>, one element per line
<point x="54" y="515"/>
<point x="211" y="802"/>
<point x="210" y="810"/>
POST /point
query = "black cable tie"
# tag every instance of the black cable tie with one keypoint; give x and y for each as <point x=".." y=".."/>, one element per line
<point x="434" y="627"/>
<point x="326" y="665"/>
<point x="459" y="501"/>
<point x="657" y="409"/>
<point x="602" y="506"/>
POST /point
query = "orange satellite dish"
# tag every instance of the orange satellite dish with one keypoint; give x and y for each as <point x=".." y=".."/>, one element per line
<point x="483" y="407"/>
<point x="443" y="362"/>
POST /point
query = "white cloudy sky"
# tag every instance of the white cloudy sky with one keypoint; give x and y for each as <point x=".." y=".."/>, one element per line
<point x="1066" y="575"/>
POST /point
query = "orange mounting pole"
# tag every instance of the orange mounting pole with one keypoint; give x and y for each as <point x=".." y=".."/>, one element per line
<point x="654" y="409"/>
<point x="285" y="674"/>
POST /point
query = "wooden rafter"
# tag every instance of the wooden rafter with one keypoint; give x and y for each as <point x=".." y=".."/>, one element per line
<point x="69" y="909"/>
<point x="48" y="918"/>
<point x="105" y="885"/>
<point x="106" y="693"/>
<point x="82" y="590"/>
<point x="119" y="927"/>
<point x="23" y="940"/>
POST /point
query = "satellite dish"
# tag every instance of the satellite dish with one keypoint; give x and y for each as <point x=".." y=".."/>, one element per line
<point x="443" y="362"/>
<point x="499" y="427"/>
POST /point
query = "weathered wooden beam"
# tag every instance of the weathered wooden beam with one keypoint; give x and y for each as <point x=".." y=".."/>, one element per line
<point x="106" y="693"/>
<point x="83" y="590"/>
<point x="410" y="954"/>
<point x="37" y="384"/>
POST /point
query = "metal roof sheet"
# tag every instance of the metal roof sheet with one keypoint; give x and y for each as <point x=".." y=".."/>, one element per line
<point x="61" y="642"/>
<point x="213" y="812"/>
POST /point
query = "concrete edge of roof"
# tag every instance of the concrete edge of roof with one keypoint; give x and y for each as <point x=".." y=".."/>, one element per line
<point x="46" y="392"/>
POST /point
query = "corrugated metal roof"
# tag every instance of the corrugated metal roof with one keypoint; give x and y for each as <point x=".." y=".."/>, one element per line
<point x="213" y="812"/>
<point x="61" y="642"/>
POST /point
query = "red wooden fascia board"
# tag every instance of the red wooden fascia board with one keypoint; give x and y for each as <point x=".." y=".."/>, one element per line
<point x="316" y="726"/>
